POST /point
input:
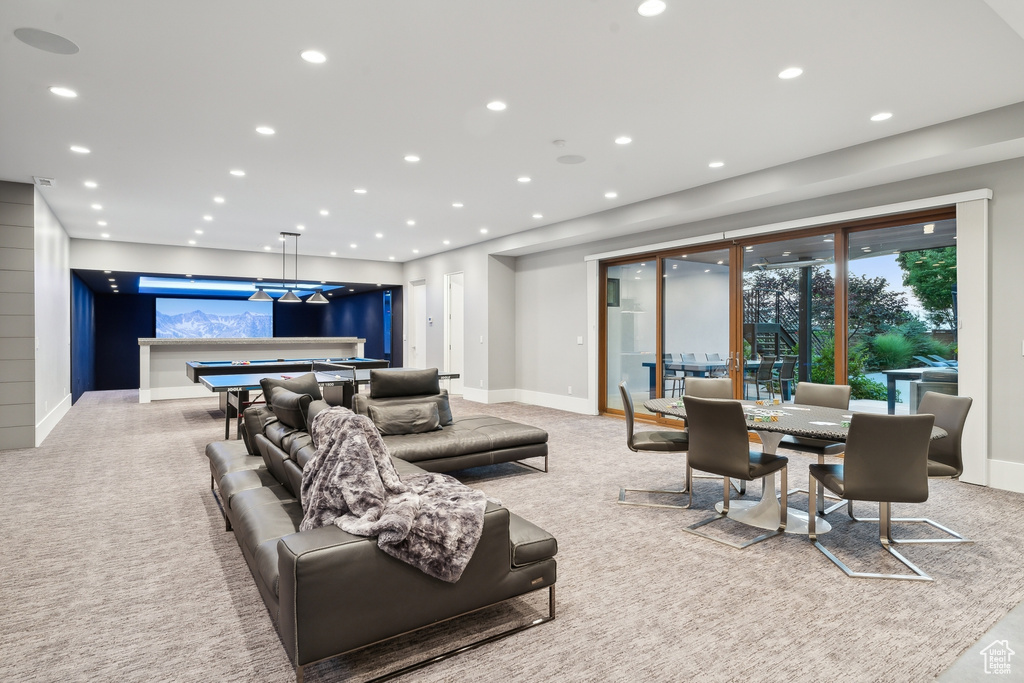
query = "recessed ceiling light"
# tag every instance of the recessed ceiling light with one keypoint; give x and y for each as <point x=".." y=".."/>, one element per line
<point x="300" y="227"/>
<point x="827" y="239"/>
<point x="929" y="229"/>
<point x="79" y="149"/>
<point x="523" y="179"/>
<point x="791" y="72"/>
<point x="101" y="223"/>
<point x="199" y="232"/>
<point x="62" y="91"/>
<point x="457" y="205"/>
<point x="882" y="116"/>
<point x="219" y="200"/>
<point x="623" y="140"/>
<point x="749" y="248"/>
<point x="109" y="279"/>
<point x="651" y="8"/>
<point x="391" y="258"/>
<point x="281" y="238"/>
<point x="410" y="222"/>
<point x="446" y="242"/>
<point x="106" y="271"/>
<point x="191" y="241"/>
<point x="324" y="212"/>
<point x="266" y="247"/>
<point x="313" y="57"/>
<point x="91" y="184"/>
<point x="351" y="290"/>
<point x="105" y="235"/>
<point x="96" y="206"/>
<point x="538" y="215"/>
<point x="238" y="172"/>
<point x="360" y="190"/>
<point x="265" y="130"/>
<point x="411" y="158"/>
<point x="207" y="217"/>
<point x="114" y="286"/>
<point x="716" y="164"/>
<point x="379" y="235"/>
<point x="497" y="105"/>
<point x="415" y="251"/>
<point x="611" y="195"/>
<point x="721" y="262"/>
<point x="334" y="253"/>
<point x="483" y="231"/>
<point x="323" y="282"/>
<point x="708" y="270"/>
<point x="352" y="246"/>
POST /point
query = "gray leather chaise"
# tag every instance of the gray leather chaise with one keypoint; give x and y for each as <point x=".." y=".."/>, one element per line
<point x="331" y="592"/>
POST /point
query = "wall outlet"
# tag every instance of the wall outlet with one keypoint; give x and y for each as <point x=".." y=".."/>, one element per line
<point x="481" y="384"/>
<point x="579" y="340"/>
<point x="570" y="390"/>
<point x="481" y="339"/>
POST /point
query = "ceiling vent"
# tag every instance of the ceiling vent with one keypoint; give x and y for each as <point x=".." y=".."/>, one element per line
<point x="43" y="182"/>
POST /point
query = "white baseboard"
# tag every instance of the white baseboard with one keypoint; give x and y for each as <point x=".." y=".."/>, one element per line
<point x="1008" y="476"/>
<point x="572" y="404"/>
<point x="485" y="396"/>
<point x="168" y="393"/>
<point x="51" y="419"/>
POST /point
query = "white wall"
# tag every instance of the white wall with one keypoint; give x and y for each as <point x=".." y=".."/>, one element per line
<point x="53" y="320"/>
<point x="157" y="259"/>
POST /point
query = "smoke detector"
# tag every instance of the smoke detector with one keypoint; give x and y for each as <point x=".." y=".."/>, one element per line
<point x="43" y="182"/>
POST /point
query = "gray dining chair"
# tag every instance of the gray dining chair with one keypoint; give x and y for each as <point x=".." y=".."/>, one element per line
<point x="709" y="387"/>
<point x="886" y="462"/>
<point x="719" y="446"/>
<point x="672" y="441"/>
<point x="827" y="396"/>
<point x="945" y="458"/>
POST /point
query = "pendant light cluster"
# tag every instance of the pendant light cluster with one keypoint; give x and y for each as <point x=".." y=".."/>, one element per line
<point x="291" y="295"/>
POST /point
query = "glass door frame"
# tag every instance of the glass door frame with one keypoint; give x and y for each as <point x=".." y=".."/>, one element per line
<point x="840" y="233"/>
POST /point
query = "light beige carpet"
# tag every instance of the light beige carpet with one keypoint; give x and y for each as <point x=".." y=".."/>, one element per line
<point x="115" y="566"/>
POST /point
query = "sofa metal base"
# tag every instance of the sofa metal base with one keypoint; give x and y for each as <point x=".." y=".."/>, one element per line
<point x="534" y="467"/>
<point x="451" y="653"/>
<point x="216" y="497"/>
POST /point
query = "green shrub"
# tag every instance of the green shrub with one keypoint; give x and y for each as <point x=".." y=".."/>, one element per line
<point x="891" y="350"/>
<point x="823" y="367"/>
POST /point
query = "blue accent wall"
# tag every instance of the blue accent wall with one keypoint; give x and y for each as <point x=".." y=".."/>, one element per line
<point x="83" y="339"/>
<point x="106" y="329"/>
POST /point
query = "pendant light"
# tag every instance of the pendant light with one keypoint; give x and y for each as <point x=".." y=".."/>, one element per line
<point x="289" y="296"/>
<point x="317" y="298"/>
<point x="260" y="295"/>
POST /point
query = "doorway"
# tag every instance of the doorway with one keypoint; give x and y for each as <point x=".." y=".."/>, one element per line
<point x="454" y="328"/>
<point x="417" y="325"/>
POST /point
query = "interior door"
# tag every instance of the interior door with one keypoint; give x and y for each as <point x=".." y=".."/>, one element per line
<point x="417" y="325"/>
<point x="454" y="329"/>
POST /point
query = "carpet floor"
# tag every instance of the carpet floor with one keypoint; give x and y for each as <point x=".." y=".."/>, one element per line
<point x="116" y="566"/>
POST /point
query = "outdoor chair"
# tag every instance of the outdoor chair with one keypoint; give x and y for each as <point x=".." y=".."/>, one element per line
<point x="719" y="446"/>
<point x="762" y="376"/>
<point x="675" y="377"/>
<point x="887" y="462"/>
<point x="786" y="376"/>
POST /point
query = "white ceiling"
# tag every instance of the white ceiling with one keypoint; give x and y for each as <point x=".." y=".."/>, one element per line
<point x="170" y="95"/>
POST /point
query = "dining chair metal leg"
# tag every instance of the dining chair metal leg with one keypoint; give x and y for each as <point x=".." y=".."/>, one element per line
<point x="954" y="537"/>
<point x="726" y="486"/>
<point x="884" y="537"/>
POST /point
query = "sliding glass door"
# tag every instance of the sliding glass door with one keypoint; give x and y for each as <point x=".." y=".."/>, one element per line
<point x="695" y="320"/>
<point x="631" y="332"/>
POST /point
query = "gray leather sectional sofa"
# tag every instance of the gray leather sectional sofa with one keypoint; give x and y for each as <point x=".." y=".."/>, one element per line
<point x="331" y="592"/>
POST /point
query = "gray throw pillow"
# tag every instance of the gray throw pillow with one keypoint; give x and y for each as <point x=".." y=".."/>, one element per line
<point x="289" y="407"/>
<point x="303" y="384"/>
<point x="405" y="418"/>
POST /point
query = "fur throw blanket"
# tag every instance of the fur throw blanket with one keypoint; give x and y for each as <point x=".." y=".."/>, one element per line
<point x="430" y="521"/>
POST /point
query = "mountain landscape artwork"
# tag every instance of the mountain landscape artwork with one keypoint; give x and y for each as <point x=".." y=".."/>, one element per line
<point x="207" y="319"/>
